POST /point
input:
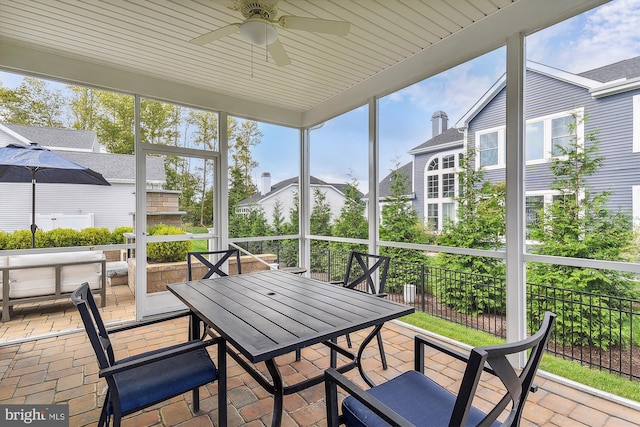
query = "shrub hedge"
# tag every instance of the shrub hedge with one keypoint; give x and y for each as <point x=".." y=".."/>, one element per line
<point x="62" y="237"/>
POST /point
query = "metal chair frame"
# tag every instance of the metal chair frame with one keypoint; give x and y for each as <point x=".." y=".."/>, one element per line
<point x="491" y="359"/>
<point x="381" y="266"/>
<point x="214" y="267"/>
<point x="110" y="368"/>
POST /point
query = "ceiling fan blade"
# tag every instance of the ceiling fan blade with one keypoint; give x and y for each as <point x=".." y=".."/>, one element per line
<point x="216" y="34"/>
<point x="279" y="55"/>
<point x="315" y="25"/>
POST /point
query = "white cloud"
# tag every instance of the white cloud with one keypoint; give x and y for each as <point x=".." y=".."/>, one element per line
<point x="453" y="91"/>
<point x="600" y="37"/>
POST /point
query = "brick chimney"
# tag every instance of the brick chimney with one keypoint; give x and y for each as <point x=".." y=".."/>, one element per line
<point x="266" y="183"/>
<point x="439" y="123"/>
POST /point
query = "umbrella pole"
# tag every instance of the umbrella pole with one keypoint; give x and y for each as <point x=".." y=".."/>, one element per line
<point x="34" y="227"/>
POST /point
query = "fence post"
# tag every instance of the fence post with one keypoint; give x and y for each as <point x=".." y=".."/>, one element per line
<point x="424" y="288"/>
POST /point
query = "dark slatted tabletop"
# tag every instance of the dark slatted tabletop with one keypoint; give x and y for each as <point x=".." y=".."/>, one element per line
<point x="270" y="313"/>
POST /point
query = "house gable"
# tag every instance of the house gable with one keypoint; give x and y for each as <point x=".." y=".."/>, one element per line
<point x="57" y="138"/>
<point x="610" y="117"/>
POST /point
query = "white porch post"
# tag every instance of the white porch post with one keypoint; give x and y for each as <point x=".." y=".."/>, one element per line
<point x="140" y="223"/>
<point x="221" y="190"/>
<point x="373" y="213"/>
<point x="304" y="199"/>
<point x="515" y="197"/>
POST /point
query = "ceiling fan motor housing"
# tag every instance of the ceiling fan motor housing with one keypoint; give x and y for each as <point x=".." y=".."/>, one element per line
<point x="258" y="9"/>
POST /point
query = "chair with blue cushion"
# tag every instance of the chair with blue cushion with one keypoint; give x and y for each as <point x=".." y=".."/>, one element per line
<point x="138" y="382"/>
<point x="413" y="399"/>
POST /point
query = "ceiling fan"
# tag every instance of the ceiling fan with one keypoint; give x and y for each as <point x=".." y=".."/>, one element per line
<point x="259" y="27"/>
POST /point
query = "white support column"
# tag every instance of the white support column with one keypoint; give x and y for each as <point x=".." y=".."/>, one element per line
<point x="221" y="190"/>
<point x="304" y="199"/>
<point x="373" y="212"/>
<point x="140" y="224"/>
<point x="515" y="197"/>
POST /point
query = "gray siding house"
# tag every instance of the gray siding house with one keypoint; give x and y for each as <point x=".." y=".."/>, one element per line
<point x="69" y="205"/>
<point x="604" y="100"/>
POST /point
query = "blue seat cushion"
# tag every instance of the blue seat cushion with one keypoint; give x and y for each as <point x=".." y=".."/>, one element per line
<point x="412" y="395"/>
<point x="155" y="382"/>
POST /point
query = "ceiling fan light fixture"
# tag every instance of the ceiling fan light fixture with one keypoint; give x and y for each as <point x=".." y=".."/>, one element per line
<point x="258" y="32"/>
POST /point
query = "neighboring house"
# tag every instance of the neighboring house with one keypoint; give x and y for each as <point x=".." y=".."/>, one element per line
<point x="285" y="192"/>
<point x="609" y="99"/>
<point x="384" y="188"/>
<point x="69" y="205"/>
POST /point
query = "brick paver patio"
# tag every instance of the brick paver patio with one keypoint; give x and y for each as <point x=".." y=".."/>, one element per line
<point x="62" y="369"/>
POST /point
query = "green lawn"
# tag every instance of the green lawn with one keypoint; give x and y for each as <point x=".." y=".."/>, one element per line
<point x="571" y="370"/>
<point x="198" y="245"/>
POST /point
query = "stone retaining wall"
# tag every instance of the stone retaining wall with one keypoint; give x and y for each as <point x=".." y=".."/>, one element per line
<point x="159" y="275"/>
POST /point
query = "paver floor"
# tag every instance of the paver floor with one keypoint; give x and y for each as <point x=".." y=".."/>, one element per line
<point x="62" y="369"/>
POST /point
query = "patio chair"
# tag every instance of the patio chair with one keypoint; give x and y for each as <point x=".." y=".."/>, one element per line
<point x="140" y="381"/>
<point x="414" y="399"/>
<point x="359" y="275"/>
<point x="214" y="267"/>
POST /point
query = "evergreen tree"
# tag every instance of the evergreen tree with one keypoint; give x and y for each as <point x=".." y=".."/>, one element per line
<point x="278" y="221"/>
<point x="320" y="225"/>
<point x="293" y="226"/>
<point x="579" y="224"/>
<point x="400" y="222"/>
<point x="480" y="225"/>
<point x="352" y="222"/>
<point x="481" y="222"/>
<point x="259" y="226"/>
<point x="320" y="221"/>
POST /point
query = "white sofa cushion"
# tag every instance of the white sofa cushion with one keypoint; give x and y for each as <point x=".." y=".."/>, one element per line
<point x="38" y="281"/>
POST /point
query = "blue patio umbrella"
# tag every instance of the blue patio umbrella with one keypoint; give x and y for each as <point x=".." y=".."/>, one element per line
<point x="32" y="163"/>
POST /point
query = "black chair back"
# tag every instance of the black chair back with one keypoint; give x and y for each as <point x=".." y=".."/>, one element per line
<point x="213" y="267"/>
<point x="494" y="360"/>
<point x="412" y="398"/>
<point x="83" y="299"/>
<point x="361" y="270"/>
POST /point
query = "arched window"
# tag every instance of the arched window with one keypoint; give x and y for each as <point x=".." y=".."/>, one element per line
<point x="441" y="189"/>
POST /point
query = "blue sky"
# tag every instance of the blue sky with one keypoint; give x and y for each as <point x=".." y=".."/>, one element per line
<point x="602" y="36"/>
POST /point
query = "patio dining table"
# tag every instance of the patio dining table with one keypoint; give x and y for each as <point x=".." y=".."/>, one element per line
<point x="267" y="314"/>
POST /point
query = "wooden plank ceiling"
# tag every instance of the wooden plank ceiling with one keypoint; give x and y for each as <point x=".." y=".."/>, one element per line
<point x="151" y="38"/>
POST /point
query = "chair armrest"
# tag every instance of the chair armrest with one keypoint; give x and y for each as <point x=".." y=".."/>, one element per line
<point x="189" y="347"/>
<point x="149" y="322"/>
<point x="336" y="282"/>
<point x="381" y="295"/>
<point x="333" y="379"/>
<point x="421" y="341"/>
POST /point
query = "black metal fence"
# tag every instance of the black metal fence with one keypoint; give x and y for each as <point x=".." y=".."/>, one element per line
<point x="597" y="330"/>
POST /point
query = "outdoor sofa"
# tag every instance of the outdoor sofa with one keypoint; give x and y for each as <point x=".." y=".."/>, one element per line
<point x="49" y="277"/>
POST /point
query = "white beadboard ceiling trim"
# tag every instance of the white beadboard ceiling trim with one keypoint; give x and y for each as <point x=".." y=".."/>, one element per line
<point x="142" y="46"/>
